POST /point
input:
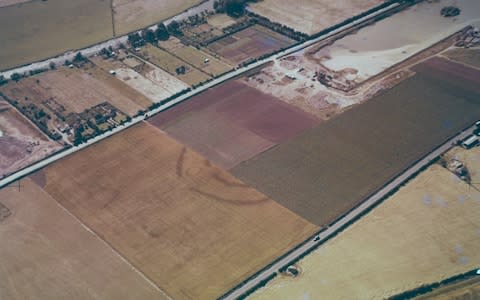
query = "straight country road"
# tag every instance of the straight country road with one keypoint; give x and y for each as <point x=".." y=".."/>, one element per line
<point x="342" y="223"/>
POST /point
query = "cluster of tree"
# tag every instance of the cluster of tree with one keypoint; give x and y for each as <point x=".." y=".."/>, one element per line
<point x="161" y="33"/>
<point x="136" y="40"/>
<point x="450" y="11"/>
<point x="16" y="77"/>
<point x="234" y="8"/>
<point x="3" y="80"/>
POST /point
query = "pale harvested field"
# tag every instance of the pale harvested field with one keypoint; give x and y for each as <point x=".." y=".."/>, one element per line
<point x="21" y="143"/>
<point x="47" y="255"/>
<point x="428" y="231"/>
<point x="464" y="290"/>
<point x="145" y="86"/>
<point x="128" y="99"/>
<point x="170" y="63"/>
<point x="311" y="16"/>
<point x="130" y="15"/>
<point x="192" y="228"/>
<point x="328" y="170"/>
<point x="48" y="28"/>
<point x="4" y="3"/>
<point x="221" y="21"/>
<point x="196" y="57"/>
<point x="466" y="56"/>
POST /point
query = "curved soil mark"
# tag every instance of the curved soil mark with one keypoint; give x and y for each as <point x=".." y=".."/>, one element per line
<point x="4" y="212"/>
<point x="231" y="201"/>
<point x="180" y="161"/>
<point x="226" y="182"/>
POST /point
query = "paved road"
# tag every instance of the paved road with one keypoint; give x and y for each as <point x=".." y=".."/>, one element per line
<point x="351" y="216"/>
<point x="36" y="166"/>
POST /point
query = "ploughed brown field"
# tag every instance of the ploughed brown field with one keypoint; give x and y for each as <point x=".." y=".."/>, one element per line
<point x="193" y="229"/>
<point x="324" y="172"/>
<point x="249" y="43"/>
<point x="46" y="254"/>
<point x="233" y="122"/>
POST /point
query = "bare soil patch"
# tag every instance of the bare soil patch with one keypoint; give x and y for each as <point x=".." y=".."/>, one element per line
<point x="20" y="142"/>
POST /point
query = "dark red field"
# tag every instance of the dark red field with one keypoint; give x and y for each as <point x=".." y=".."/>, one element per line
<point x="455" y="73"/>
<point x="232" y="123"/>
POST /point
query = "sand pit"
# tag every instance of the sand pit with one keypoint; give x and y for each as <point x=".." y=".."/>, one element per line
<point x="21" y="143"/>
<point x="232" y="123"/>
<point x="46" y="254"/>
<point x="428" y="231"/>
<point x="373" y="49"/>
<point x="193" y="229"/>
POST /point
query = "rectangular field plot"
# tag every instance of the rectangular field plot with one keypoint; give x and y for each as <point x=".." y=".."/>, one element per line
<point x="21" y="143"/>
<point x="48" y="28"/>
<point x="232" y="123"/>
<point x="47" y="254"/>
<point x="193" y="229"/>
<point x="249" y="43"/>
<point x="331" y="168"/>
<point x="428" y="231"/>
<point x="170" y="63"/>
<point x="130" y="15"/>
<point x="201" y="60"/>
<point x="311" y="16"/>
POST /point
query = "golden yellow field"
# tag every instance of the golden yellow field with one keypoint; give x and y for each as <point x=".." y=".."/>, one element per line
<point x="131" y="15"/>
<point x="192" y="228"/>
<point x="40" y="29"/>
<point x="428" y="231"/>
<point x="47" y="254"/>
<point x="170" y="63"/>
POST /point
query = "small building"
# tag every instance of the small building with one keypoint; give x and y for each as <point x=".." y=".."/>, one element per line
<point x="112" y="72"/>
<point x="470" y="142"/>
<point x="206" y="60"/>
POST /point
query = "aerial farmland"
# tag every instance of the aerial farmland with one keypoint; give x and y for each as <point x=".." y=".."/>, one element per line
<point x="218" y="228"/>
<point x="425" y="233"/>
<point x="235" y="149"/>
